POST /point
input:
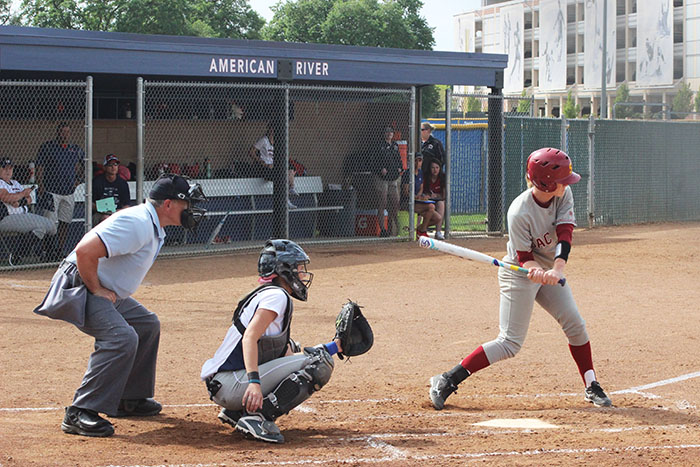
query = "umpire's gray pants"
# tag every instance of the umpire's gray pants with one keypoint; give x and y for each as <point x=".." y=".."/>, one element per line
<point x="123" y="365"/>
<point x="234" y="383"/>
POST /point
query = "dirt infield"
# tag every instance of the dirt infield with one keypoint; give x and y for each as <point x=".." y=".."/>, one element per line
<point x="635" y="286"/>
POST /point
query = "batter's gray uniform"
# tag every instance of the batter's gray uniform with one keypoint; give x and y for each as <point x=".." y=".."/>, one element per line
<point x="532" y="227"/>
<point x="123" y="364"/>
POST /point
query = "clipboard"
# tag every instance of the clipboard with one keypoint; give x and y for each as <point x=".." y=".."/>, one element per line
<point x="106" y="205"/>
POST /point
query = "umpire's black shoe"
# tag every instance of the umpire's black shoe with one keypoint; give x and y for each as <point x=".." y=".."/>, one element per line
<point x="85" y="422"/>
<point x="138" y="408"/>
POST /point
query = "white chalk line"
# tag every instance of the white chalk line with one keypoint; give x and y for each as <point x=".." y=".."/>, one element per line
<point x="634" y="390"/>
<point x="663" y="382"/>
<point x="477" y="455"/>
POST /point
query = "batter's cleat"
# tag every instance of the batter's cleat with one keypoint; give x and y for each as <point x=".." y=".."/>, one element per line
<point x="596" y="395"/>
<point x="439" y="236"/>
<point x="254" y="425"/>
<point x="85" y="422"/>
<point x="230" y="417"/>
<point x="138" y="408"/>
<point x="440" y="389"/>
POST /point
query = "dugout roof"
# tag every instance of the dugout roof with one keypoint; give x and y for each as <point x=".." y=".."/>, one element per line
<point x="55" y="53"/>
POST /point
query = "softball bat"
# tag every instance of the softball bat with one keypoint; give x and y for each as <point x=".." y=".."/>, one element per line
<point x="432" y="244"/>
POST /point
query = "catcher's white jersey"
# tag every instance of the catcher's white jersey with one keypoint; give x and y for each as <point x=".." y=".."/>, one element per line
<point x="532" y="227"/>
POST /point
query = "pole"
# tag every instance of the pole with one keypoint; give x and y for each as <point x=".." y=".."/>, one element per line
<point x="448" y="152"/>
<point x="603" y="83"/>
<point x="139" y="141"/>
<point x="87" y="168"/>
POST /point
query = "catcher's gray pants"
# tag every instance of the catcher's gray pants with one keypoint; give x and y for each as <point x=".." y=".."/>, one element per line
<point x="123" y="365"/>
<point x="234" y="383"/>
<point x="518" y="296"/>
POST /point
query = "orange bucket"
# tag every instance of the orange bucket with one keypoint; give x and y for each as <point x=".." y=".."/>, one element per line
<point x="403" y="152"/>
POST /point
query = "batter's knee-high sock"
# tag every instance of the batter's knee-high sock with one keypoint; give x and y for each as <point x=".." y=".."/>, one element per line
<point x="476" y="360"/>
<point x="584" y="361"/>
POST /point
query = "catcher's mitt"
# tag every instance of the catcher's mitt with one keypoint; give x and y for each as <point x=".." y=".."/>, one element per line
<point x="353" y="330"/>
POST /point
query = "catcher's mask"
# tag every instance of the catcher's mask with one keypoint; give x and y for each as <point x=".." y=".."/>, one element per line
<point x="171" y="186"/>
<point x="548" y="166"/>
<point x="287" y="260"/>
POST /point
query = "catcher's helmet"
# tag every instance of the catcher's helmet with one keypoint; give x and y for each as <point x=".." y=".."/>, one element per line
<point x="286" y="259"/>
<point x="548" y="166"/>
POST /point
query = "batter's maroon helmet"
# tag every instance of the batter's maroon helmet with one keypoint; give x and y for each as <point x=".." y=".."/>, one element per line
<point x="548" y="166"/>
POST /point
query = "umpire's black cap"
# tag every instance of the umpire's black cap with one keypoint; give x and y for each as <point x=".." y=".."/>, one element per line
<point x="172" y="186"/>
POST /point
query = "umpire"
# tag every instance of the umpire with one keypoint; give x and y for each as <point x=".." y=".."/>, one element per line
<point x="92" y="289"/>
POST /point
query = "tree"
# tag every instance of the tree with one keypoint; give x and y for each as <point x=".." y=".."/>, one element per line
<point x="371" y="23"/>
<point x="6" y="16"/>
<point x="524" y="104"/>
<point x="697" y="101"/>
<point x="683" y="101"/>
<point x="622" y="96"/>
<point x="213" y="18"/>
<point x="390" y="23"/>
<point x="570" y="109"/>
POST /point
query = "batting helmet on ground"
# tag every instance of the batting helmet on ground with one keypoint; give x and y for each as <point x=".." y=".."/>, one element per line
<point x="548" y="166"/>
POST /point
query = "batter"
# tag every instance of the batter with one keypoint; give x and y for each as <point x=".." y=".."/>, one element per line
<point x="540" y="228"/>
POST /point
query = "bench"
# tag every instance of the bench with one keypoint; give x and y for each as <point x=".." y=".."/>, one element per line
<point x="235" y="197"/>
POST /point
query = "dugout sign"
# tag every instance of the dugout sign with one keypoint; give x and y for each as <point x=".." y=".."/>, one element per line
<point x="267" y="67"/>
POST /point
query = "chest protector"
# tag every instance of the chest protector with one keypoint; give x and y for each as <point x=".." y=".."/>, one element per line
<point x="269" y="347"/>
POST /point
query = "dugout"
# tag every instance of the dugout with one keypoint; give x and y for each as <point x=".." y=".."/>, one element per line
<point x="199" y="104"/>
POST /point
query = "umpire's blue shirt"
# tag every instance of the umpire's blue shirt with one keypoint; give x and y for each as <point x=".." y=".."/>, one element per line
<point x="133" y="237"/>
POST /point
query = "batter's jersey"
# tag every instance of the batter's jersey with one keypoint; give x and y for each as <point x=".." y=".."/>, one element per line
<point x="532" y="227"/>
<point x="229" y="355"/>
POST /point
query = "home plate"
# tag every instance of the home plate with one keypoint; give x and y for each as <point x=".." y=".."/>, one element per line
<point x="516" y="423"/>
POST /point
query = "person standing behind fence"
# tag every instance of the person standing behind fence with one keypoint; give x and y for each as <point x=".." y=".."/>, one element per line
<point x="92" y="289"/>
<point x="109" y="185"/>
<point x="430" y="147"/>
<point x="387" y="173"/>
<point x="263" y="155"/>
<point x="59" y="169"/>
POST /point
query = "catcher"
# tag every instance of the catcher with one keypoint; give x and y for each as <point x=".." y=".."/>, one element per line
<point x="255" y="376"/>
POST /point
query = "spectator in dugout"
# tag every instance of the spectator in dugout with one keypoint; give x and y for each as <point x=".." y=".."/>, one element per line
<point x="263" y="155"/>
<point x="59" y="170"/>
<point x="423" y="205"/>
<point x="106" y="185"/>
<point x="387" y="175"/>
<point x="14" y="212"/>
<point x="430" y="147"/>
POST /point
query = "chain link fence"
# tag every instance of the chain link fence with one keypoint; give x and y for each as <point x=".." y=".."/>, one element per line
<point x="475" y="193"/>
<point x="42" y="169"/>
<point x="310" y="163"/>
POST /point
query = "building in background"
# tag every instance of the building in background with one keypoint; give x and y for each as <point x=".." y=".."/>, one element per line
<point x="555" y="47"/>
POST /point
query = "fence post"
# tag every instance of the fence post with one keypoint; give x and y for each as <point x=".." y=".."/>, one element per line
<point x="563" y="139"/>
<point x="139" y="140"/>
<point x="591" y="176"/>
<point x="494" y="210"/>
<point x="87" y="169"/>
<point x="448" y="156"/>
<point x="412" y="163"/>
<point x="286" y="161"/>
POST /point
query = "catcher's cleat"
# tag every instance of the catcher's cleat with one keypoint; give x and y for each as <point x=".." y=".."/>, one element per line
<point x="256" y="426"/>
<point x="85" y="422"/>
<point x="596" y="395"/>
<point x="440" y="389"/>
<point x="229" y="417"/>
